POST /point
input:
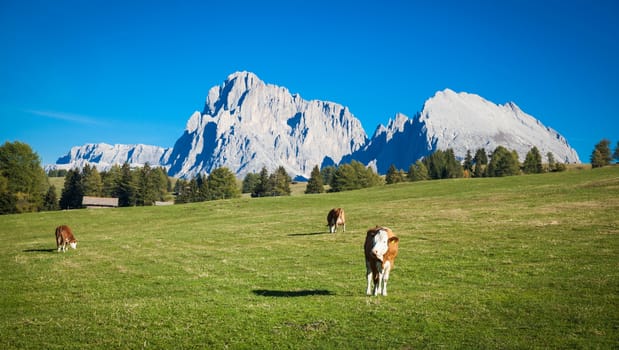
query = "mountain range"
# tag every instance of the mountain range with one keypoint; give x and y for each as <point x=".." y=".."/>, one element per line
<point x="247" y="124"/>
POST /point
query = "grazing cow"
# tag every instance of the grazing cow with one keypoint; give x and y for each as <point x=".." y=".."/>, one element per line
<point x="64" y="235"/>
<point x="381" y="248"/>
<point x="336" y="218"/>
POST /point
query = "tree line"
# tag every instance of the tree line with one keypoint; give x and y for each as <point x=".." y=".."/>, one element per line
<point x="25" y="187"/>
<point x="132" y="186"/>
<point x="501" y="162"/>
<point x="219" y="184"/>
<point x="443" y="164"/>
<point x="345" y="177"/>
<point x="265" y="184"/>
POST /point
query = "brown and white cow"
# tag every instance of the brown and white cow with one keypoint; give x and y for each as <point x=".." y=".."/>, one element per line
<point x="64" y="236"/>
<point x="381" y="248"/>
<point x="336" y="218"/>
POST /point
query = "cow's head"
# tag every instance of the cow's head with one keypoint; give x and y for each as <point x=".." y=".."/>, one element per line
<point x="73" y="244"/>
<point x="380" y="243"/>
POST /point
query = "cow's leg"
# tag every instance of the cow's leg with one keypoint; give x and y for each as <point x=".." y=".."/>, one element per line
<point x="385" y="278"/>
<point x="369" y="278"/>
<point x="344" y="227"/>
<point x="378" y="278"/>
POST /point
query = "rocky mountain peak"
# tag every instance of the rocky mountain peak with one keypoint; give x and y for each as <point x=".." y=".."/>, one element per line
<point x="248" y="124"/>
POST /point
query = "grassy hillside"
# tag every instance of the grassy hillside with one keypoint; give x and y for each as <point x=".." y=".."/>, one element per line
<point x="517" y="262"/>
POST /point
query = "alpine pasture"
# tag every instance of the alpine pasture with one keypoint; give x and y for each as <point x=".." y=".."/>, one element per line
<point x="492" y="263"/>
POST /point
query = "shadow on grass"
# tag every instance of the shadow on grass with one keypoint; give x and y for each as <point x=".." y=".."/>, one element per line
<point x="291" y="293"/>
<point x="40" y="250"/>
<point x="308" y="234"/>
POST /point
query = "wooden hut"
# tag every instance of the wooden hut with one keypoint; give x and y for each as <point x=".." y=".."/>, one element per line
<point x="99" y="202"/>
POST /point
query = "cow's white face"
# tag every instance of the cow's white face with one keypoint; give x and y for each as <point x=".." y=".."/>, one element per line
<point x="381" y="244"/>
<point x="73" y="245"/>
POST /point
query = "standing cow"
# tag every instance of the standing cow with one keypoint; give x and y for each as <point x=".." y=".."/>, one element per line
<point x="64" y="236"/>
<point x="336" y="218"/>
<point x="381" y="248"/>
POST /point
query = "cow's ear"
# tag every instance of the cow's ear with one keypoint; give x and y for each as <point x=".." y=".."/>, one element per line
<point x="394" y="239"/>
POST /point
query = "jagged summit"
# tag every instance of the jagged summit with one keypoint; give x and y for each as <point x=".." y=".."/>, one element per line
<point x="247" y="124"/>
<point x="462" y="122"/>
<point x="231" y="92"/>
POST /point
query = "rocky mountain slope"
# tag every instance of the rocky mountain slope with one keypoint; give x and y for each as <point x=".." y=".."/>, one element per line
<point x="103" y="156"/>
<point x="460" y="121"/>
<point x="247" y="124"/>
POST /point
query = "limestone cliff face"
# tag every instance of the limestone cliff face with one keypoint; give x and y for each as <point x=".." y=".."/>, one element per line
<point x="460" y="121"/>
<point x="247" y="124"/>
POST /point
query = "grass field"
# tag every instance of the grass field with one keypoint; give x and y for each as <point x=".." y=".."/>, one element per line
<point x="495" y="263"/>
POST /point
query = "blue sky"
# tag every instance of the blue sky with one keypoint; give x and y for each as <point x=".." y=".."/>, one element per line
<point x="76" y="72"/>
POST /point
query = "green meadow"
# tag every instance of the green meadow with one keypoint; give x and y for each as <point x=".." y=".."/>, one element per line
<point x="522" y="262"/>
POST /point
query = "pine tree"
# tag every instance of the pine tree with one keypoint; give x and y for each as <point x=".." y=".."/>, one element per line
<point x="468" y="162"/>
<point x="503" y="163"/>
<point x="250" y="182"/>
<point x="182" y="189"/>
<point x="601" y="154"/>
<point x="481" y="157"/>
<point x="263" y="187"/>
<point x="160" y="183"/>
<point x="221" y="184"/>
<point x="344" y="179"/>
<point x="366" y="176"/>
<point x="73" y="191"/>
<point x="150" y="186"/>
<point x="315" y="184"/>
<point x="201" y="191"/>
<point x="126" y="189"/>
<point x="443" y="165"/>
<point x="453" y="166"/>
<point x="50" y="202"/>
<point x="481" y="161"/>
<point x="418" y="172"/>
<point x="533" y="162"/>
<point x="616" y="153"/>
<point x="327" y="174"/>
<point x="280" y="182"/>
<point x="597" y="160"/>
<point x="110" y="179"/>
<point x="393" y="175"/>
<point x="434" y="163"/>
<point x="91" y="181"/>
<point x="193" y="189"/>
<point x="354" y="176"/>
<point x="551" y="161"/>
